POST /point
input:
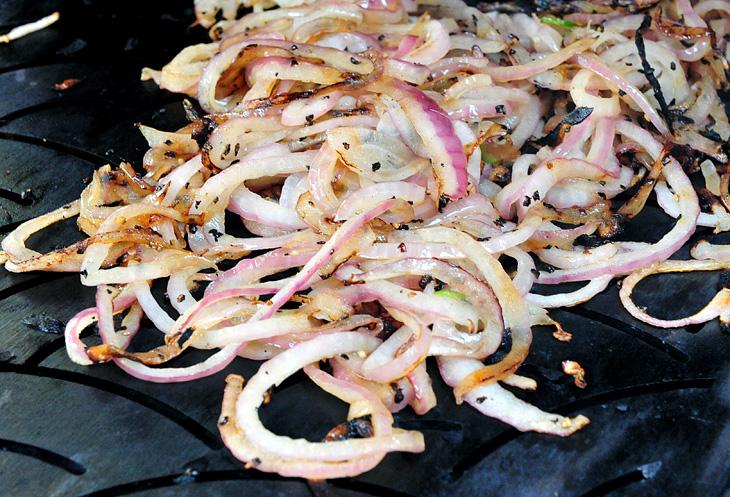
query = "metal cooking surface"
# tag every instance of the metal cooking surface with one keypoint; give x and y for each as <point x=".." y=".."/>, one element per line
<point x="657" y="399"/>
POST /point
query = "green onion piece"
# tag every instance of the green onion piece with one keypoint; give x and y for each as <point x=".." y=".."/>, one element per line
<point x="559" y="22"/>
<point x="487" y="157"/>
<point x="450" y="294"/>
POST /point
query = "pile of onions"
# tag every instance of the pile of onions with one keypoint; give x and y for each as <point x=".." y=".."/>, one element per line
<point x="382" y="157"/>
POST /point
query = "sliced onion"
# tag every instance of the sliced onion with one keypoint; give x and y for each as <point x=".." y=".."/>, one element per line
<point x="365" y="197"/>
<point x="435" y="46"/>
<point x="274" y="371"/>
<point x="437" y="132"/>
<point x="512" y="73"/>
<point x="630" y="261"/>
<point x="496" y="402"/>
<point x="596" y="66"/>
<point x="718" y="306"/>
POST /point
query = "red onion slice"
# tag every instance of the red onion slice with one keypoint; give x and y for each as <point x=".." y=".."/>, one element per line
<point x="496" y="402"/>
<point x="274" y="371"/>
<point x="437" y="132"/>
<point x="719" y="306"/>
<point x="597" y="66"/>
<point x="512" y="73"/>
<point x="628" y="262"/>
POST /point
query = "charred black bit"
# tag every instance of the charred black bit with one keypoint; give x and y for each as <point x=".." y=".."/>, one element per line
<point x="677" y="115"/>
<point x="346" y="145"/>
<point x="634" y="205"/>
<point x="192" y="228"/>
<point x="293" y="62"/>
<point x="398" y="393"/>
<point x="480" y="400"/>
<point x="711" y="134"/>
<point x="401" y="247"/>
<point x="424" y="281"/>
<point x="527" y="201"/>
<point x="355" y="428"/>
<point x="389" y="326"/>
<point x="688" y="157"/>
<point x="83" y="273"/>
<point x="180" y="298"/>
<point x="44" y="323"/>
<point x="403" y="227"/>
<point x="375" y="166"/>
<point x="500" y="109"/>
<point x="255" y="461"/>
<point x="443" y="202"/>
<point x="577" y="116"/>
<point x="631" y="6"/>
<point x="354" y="60"/>
<point x="185" y="336"/>
<point x="168" y="142"/>
<point x="215" y="233"/>
<point x="170" y="154"/>
<point x="223" y="420"/>
<point x="202" y="128"/>
<point x="649" y="72"/>
<point x="536" y="196"/>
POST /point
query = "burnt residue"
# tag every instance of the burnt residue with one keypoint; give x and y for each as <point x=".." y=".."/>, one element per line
<point x="649" y="72"/>
<point x="443" y="202"/>
<point x="44" y="323"/>
<point x="503" y="349"/>
<point x="558" y="7"/>
<point x="360" y="427"/>
<point x="689" y="158"/>
<point x="676" y="30"/>
<point x="631" y="6"/>
<point x="424" y="281"/>
<point x="202" y="128"/>
<point x="634" y="205"/>
<point x="397" y="393"/>
<point x="555" y="136"/>
<point x="185" y="336"/>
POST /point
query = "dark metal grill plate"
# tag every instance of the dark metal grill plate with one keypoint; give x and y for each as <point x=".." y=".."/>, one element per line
<point x="658" y="399"/>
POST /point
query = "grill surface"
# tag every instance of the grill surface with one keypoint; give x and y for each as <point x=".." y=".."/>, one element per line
<point x="658" y="399"/>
